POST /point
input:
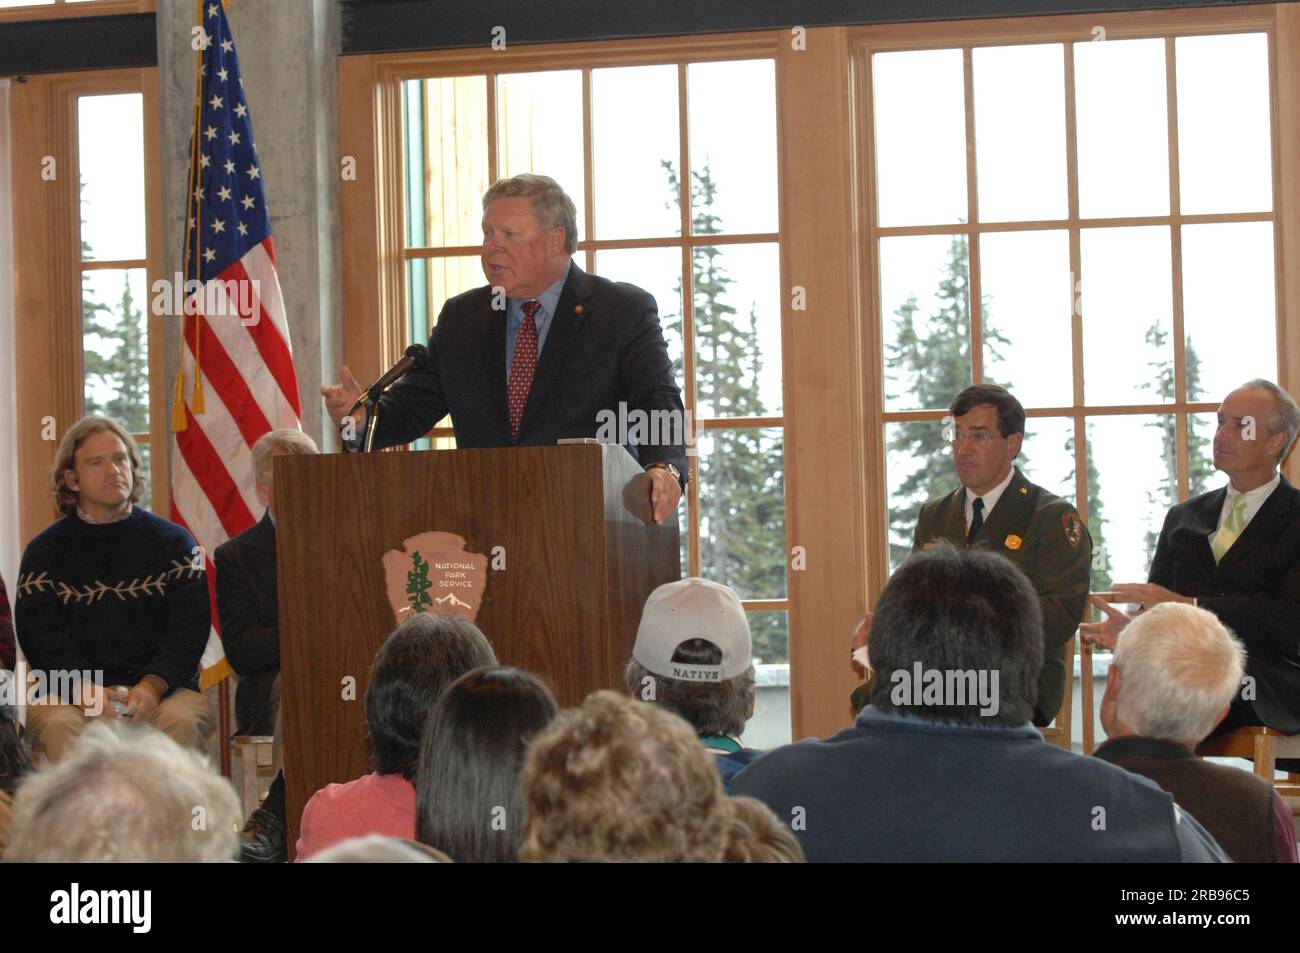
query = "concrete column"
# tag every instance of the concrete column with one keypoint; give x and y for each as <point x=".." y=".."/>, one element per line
<point x="288" y="57"/>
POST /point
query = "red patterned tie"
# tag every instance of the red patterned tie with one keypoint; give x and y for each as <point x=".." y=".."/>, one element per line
<point x="523" y="366"/>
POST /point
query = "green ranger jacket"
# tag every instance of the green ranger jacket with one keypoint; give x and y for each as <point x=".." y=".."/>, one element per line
<point x="1043" y="535"/>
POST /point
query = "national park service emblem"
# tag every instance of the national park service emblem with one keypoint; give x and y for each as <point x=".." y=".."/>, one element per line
<point x="1073" y="527"/>
<point x="432" y="572"/>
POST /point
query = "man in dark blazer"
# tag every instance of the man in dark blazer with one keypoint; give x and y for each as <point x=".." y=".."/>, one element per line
<point x="1236" y="552"/>
<point x="250" y="623"/>
<point x="997" y="509"/>
<point x="544" y="352"/>
<point x="247" y="604"/>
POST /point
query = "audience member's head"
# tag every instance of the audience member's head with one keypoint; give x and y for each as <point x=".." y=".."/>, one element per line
<point x="1174" y="675"/>
<point x="973" y="620"/>
<point x="125" y="793"/>
<point x="620" y="780"/>
<point x="467" y="787"/>
<point x="693" y="655"/>
<point x="412" y="669"/>
<point x="378" y="849"/>
<point x="94" y="455"/>
<point x="272" y="444"/>
<point x="756" y="836"/>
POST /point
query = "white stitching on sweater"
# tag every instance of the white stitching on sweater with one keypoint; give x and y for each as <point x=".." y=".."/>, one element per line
<point x="156" y="584"/>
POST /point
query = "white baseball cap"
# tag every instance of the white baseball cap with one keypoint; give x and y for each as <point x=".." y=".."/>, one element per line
<point x="693" y="608"/>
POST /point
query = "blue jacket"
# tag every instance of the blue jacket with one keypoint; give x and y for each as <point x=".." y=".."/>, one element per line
<point x="898" y="788"/>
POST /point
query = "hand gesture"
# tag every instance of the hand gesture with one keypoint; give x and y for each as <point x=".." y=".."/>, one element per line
<point x="340" y="398"/>
<point x="1103" y="634"/>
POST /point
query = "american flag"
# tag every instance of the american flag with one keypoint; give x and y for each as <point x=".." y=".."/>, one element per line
<point x="237" y="378"/>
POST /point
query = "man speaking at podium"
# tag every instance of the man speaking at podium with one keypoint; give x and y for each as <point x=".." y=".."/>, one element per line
<point x="537" y="354"/>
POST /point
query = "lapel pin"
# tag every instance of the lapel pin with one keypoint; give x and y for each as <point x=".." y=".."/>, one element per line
<point x="579" y="309"/>
<point x="1013" y="541"/>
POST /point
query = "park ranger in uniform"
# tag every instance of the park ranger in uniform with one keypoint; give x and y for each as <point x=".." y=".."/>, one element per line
<point x="997" y="509"/>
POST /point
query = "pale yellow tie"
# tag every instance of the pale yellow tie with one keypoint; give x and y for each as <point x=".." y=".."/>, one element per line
<point x="1231" y="528"/>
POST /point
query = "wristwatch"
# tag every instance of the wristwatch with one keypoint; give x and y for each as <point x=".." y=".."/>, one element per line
<point x="665" y="465"/>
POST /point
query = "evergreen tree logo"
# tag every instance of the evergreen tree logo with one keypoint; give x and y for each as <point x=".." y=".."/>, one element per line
<point x="418" y="584"/>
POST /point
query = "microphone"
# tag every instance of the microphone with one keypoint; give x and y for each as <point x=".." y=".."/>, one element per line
<point x="415" y="357"/>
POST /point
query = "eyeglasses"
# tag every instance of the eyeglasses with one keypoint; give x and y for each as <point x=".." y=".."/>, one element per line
<point x="977" y="437"/>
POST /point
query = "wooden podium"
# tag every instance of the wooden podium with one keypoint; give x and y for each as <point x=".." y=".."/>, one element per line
<point x="558" y="539"/>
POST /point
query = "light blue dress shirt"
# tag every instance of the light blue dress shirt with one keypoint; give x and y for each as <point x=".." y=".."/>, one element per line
<point x="549" y="301"/>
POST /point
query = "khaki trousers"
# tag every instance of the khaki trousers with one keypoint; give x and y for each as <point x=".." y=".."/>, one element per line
<point x="183" y="716"/>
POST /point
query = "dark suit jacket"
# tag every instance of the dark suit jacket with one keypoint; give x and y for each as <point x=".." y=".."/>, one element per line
<point x="249" y="610"/>
<point x="1255" y="590"/>
<point x="604" y="347"/>
<point x="1044" y="537"/>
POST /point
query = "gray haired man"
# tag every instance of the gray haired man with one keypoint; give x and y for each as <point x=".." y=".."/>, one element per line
<point x="1175" y="673"/>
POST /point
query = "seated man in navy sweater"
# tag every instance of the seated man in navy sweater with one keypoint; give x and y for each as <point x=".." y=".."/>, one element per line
<point x="110" y="595"/>
<point x="693" y="655"/>
<point x="944" y="765"/>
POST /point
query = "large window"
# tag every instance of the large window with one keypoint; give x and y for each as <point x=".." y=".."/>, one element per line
<point x="114" y="286"/>
<point x="1108" y="203"/>
<point x="85" y="163"/>
<point x="672" y="166"/>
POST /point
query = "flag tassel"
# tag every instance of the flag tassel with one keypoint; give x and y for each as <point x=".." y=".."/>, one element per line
<point x="178" y="405"/>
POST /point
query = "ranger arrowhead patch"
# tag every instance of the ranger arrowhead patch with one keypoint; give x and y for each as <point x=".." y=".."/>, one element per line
<point x="1073" y="527"/>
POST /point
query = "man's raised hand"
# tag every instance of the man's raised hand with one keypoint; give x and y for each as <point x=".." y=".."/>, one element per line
<point x="1103" y="634"/>
<point x="340" y="398"/>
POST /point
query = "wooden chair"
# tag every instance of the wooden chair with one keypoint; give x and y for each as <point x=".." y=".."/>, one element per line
<point x="1088" y="730"/>
<point x="253" y="768"/>
<point x="1061" y="731"/>
<point x="1263" y="746"/>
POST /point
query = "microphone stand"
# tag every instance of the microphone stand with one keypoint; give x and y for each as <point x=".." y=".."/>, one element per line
<point x="372" y="418"/>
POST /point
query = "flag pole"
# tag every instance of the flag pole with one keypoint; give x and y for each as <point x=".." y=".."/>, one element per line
<point x="192" y="212"/>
